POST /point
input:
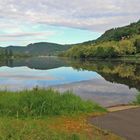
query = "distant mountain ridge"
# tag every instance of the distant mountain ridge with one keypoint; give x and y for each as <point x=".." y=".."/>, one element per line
<point x="46" y="48"/>
<point x="37" y="49"/>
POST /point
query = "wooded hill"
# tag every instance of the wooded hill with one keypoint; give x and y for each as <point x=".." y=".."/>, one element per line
<point x="113" y="43"/>
<point x="36" y="49"/>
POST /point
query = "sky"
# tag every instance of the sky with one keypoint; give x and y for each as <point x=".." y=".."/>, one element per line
<point x="62" y="21"/>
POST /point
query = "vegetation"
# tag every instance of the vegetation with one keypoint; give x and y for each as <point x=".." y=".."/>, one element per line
<point x="52" y="128"/>
<point x="110" y="49"/>
<point x="137" y="44"/>
<point x="113" y="43"/>
<point x="48" y="115"/>
<point x="121" y="32"/>
<point x="117" y="34"/>
<point x="41" y="102"/>
<point x="36" y="49"/>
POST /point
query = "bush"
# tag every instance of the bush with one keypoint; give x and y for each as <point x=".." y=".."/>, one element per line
<point x="126" y="47"/>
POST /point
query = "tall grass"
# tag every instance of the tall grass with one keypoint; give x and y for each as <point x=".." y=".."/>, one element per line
<point x="41" y="102"/>
<point x="137" y="100"/>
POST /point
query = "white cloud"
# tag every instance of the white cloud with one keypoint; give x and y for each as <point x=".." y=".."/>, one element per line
<point x="95" y="15"/>
<point x="25" y="36"/>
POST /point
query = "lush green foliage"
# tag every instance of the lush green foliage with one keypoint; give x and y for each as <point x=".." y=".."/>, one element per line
<point x="137" y="44"/>
<point x="121" y="32"/>
<point x="116" y="34"/>
<point x="113" y="43"/>
<point x="41" y="102"/>
<point x="103" y="47"/>
<point x="103" y="50"/>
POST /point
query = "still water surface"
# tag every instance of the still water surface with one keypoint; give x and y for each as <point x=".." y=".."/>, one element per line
<point x="108" y="83"/>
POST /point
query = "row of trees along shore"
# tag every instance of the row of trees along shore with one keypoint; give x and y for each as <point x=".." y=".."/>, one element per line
<point x="107" y="49"/>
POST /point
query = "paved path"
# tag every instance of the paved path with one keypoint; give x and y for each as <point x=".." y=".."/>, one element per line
<point x="124" y="123"/>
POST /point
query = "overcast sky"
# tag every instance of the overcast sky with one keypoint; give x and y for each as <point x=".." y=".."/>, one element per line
<point x="62" y="21"/>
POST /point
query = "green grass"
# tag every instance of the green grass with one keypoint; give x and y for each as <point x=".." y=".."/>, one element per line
<point x="41" y="102"/>
<point x="41" y="114"/>
<point x="54" y="128"/>
<point x="33" y="130"/>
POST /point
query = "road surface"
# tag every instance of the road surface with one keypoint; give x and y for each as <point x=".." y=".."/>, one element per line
<point x="125" y="123"/>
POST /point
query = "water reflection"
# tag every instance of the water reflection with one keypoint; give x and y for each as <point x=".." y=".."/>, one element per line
<point x="109" y="83"/>
<point x="116" y="72"/>
<point x="42" y="63"/>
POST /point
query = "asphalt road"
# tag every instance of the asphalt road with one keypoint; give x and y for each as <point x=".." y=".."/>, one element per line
<point x="124" y="123"/>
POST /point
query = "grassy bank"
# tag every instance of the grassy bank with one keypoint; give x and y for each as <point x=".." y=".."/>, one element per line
<point x="41" y="114"/>
<point x="41" y="102"/>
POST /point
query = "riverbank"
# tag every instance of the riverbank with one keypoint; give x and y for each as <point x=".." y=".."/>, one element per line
<point x="124" y="58"/>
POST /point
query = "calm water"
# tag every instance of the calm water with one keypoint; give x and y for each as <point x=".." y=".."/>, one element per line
<point x="108" y="83"/>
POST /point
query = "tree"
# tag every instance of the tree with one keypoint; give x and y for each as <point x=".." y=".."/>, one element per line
<point x="126" y="47"/>
<point x="137" y="45"/>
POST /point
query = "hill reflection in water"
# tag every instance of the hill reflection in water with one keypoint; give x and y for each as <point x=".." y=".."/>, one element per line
<point x="109" y="83"/>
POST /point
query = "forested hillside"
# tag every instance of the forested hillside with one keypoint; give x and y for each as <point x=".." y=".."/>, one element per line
<point x="117" y="34"/>
<point x="36" y="49"/>
<point x="113" y="43"/>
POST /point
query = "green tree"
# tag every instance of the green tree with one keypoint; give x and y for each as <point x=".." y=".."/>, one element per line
<point x="137" y="45"/>
<point x="126" y="47"/>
